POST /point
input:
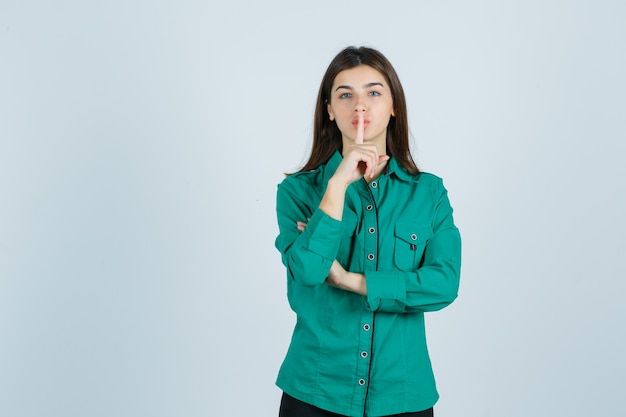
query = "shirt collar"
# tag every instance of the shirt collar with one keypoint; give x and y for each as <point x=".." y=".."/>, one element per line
<point x="393" y="167"/>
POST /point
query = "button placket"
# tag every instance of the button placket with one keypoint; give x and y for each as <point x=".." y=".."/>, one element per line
<point x="364" y="347"/>
<point x="369" y="234"/>
<point x="369" y="221"/>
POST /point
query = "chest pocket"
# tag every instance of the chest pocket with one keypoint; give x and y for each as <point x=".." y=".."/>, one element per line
<point x="410" y="241"/>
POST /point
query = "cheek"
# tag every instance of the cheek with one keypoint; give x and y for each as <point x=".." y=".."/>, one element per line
<point x="339" y="111"/>
<point x="340" y="115"/>
<point x="344" y="125"/>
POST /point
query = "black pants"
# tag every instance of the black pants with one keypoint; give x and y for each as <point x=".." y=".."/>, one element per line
<point x="290" y="407"/>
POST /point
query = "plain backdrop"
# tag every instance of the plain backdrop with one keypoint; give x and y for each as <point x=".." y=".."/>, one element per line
<point x="141" y="143"/>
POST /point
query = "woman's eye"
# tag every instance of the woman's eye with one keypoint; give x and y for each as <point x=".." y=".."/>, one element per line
<point x="345" y="95"/>
<point x="374" y="93"/>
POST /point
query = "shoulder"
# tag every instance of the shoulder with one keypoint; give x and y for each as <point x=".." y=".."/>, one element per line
<point x="426" y="178"/>
<point x="301" y="179"/>
<point x="429" y="183"/>
<point x="433" y="186"/>
<point x="302" y="185"/>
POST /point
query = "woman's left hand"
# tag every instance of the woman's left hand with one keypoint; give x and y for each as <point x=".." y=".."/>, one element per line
<point x="301" y="225"/>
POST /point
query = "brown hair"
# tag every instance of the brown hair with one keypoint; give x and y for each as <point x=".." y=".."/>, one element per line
<point x="326" y="134"/>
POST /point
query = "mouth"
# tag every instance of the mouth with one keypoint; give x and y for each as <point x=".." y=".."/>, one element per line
<point x="355" y="122"/>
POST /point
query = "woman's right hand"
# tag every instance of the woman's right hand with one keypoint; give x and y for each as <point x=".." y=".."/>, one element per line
<point x="359" y="159"/>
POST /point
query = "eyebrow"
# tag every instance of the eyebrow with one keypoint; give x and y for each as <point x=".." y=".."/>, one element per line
<point x="347" y="87"/>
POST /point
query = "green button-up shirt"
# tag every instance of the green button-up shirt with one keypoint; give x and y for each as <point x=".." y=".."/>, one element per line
<point x="366" y="355"/>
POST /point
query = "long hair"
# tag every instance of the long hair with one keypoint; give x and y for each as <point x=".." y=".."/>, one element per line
<point x="326" y="134"/>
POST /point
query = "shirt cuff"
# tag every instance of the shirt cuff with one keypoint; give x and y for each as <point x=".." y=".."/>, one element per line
<point x="324" y="234"/>
<point x="385" y="290"/>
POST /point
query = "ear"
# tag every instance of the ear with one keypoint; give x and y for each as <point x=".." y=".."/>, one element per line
<point x="393" y="112"/>
<point x="331" y="114"/>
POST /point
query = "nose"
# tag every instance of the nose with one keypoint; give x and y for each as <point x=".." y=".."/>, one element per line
<point x="360" y="105"/>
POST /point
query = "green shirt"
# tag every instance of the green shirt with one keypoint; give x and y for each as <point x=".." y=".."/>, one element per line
<point x="366" y="355"/>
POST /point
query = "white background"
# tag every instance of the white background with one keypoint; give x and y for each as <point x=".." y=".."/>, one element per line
<point x="140" y="147"/>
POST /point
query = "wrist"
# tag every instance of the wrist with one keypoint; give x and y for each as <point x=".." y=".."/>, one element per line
<point x="336" y="184"/>
<point x="333" y="200"/>
<point x="358" y="284"/>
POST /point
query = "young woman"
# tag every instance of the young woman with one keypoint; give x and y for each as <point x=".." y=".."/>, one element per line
<point x="370" y="245"/>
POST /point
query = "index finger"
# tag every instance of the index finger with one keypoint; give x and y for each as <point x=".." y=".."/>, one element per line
<point x="360" y="128"/>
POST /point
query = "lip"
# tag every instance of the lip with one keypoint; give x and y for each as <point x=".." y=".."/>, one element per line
<point x="355" y="122"/>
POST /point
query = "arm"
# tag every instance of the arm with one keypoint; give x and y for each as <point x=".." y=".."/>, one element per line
<point x="309" y="254"/>
<point x="345" y="280"/>
<point x="435" y="283"/>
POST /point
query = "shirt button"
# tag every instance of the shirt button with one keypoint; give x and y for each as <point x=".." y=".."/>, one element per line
<point x="369" y="207"/>
<point x="370" y="256"/>
<point x="371" y="230"/>
<point x="361" y="382"/>
<point x="364" y="354"/>
<point x="374" y="184"/>
<point x="366" y="327"/>
<point x="413" y="236"/>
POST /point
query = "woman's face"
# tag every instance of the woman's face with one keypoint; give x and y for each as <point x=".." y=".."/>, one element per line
<point x="364" y="90"/>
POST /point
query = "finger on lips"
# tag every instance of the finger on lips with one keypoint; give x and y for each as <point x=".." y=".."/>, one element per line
<point x="360" y="129"/>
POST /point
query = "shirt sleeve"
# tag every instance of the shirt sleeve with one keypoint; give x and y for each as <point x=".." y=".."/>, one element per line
<point x="308" y="255"/>
<point x="433" y="285"/>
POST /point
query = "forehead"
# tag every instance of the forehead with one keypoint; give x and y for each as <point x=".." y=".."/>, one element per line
<point x="359" y="76"/>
